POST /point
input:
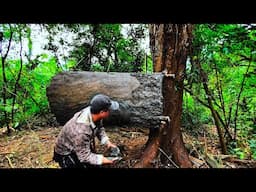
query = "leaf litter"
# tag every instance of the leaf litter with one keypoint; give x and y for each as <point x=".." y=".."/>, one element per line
<point x="34" y="149"/>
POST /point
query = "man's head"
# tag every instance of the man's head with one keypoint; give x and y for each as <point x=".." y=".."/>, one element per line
<point x="103" y="103"/>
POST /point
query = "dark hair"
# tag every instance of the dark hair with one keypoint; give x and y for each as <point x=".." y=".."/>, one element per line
<point x="99" y="103"/>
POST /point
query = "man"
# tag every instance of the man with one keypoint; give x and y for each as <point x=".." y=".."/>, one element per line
<point x="75" y="146"/>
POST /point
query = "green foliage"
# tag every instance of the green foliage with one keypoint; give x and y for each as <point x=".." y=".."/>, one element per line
<point x="225" y="51"/>
<point x="70" y="64"/>
<point x="193" y="114"/>
<point x="252" y="143"/>
<point x="31" y="96"/>
<point x="147" y="67"/>
<point x="97" y="67"/>
<point x="245" y="146"/>
<point x="96" y="47"/>
<point x="29" y="42"/>
<point x="104" y="45"/>
<point x="239" y="153"/>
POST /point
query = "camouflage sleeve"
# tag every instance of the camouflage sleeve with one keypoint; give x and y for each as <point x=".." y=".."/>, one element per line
<point x="102" y="136"/>
<point x="83" y="151"/>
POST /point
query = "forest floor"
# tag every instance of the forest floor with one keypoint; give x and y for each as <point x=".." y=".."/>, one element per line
<point x="33" y="148"/>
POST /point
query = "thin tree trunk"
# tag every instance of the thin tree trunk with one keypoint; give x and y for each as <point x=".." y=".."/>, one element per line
<point x="204" y="80"/>
<point x="18" y="78"/>
<point x="206" y="105"/>
<point x="225" y="122"/>
<point x="220" y="94"/>
<point x="4" y="93"/>
<point x="238" y="98"/>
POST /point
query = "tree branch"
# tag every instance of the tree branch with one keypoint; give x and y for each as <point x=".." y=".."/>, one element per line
<point x="195" y="97"/>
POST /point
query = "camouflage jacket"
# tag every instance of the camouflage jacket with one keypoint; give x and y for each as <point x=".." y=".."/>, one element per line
<point x="77" y="136"/>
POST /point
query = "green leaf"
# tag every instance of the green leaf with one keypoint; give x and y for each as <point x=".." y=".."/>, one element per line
<point x="8" y="109"/>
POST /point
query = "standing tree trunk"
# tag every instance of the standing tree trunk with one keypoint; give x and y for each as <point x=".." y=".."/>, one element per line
<point x="169" y="45"/>
<point x="177" y="39"/>
<point x="5" y="84"/>
<point x="156" y="33"/>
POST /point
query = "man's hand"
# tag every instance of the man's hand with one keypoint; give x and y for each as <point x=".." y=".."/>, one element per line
<point x="107" y="161"/>
<point x="110" y="160"/>
<point x="114" y="150"/>
<point x="110" y="145"/>
<point x="115" y="159"/>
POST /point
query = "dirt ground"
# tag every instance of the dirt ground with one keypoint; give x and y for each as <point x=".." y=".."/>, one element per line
<point x="34" y="149"/>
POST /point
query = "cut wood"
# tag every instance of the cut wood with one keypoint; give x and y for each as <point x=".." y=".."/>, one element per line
<point x="139" y="95"/>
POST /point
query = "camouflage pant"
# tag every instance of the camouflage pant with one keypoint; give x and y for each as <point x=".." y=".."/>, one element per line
<point x="71" y="161"/>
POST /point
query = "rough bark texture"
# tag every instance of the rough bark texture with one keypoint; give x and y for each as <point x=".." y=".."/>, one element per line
<point x="169" y="47"/>
<point x="151" y="149"/>
<point x="156" y="45"/>
<point x="139" y="95"/>
<point x="177" y="39"/>
<point x="154" y="138"/>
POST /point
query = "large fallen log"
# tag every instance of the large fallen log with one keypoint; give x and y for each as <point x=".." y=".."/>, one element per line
<point x="139" y="95"/>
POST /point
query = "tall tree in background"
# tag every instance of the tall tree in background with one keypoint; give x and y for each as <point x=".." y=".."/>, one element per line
<point x="169" y="45"/>
<point x="222" y="61"/>
<point x="100" y="47"/>
<point x="23" y="77"/>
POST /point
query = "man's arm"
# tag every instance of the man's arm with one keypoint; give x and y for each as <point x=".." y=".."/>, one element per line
<point x="102" y="136"/>
<point x="83" y="151"/>
<point x="84" y="154"/>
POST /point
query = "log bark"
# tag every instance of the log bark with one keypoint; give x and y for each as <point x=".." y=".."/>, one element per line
<point x="139" y="95"/>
